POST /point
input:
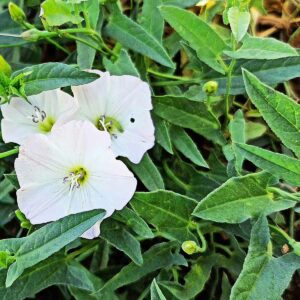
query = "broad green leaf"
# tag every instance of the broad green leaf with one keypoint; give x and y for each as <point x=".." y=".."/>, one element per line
<point x="134" y="221"/>
<point x="58" y="12"/>
<point x="239" y="22"/>
<point x="122" y="66"/>
<point x="56" y="270"/>
<point x="86" y="54"/>
<point x="6" y="213"/>
<point x="201" y="37"/>
<point x="237" y="132"/>
<point x="51" y="76"/>
<point x="185" y="113"/>
<point x="162" y="135"/>
<point x="280" y="112"/>
<point x="194" y="280"/>
<point x="48" y="240"/>
<point x="168" y="212"/>
<point x="239" y="199"/>
<point x="254" y="130"/>
<point x="118" y="236"/>
<point x="263" y="276"/>
<point x="148" y="173"/>
<point x="183" y="143"/>
<point x="269" y="71"/>
<point x="262" y="48"/>
<point x="280" y="165"/>
<point x="159" y="256"/>
<point x="135" y="37"/>
<point x="151" y="18"/>
<point x="5" y="188"/>
<point x="156" y="293"/>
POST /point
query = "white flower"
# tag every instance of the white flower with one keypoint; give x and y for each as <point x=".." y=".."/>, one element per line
<point x="121" y="106"/>
<point x="71" y="170"/>
<point x="22" y="119"/>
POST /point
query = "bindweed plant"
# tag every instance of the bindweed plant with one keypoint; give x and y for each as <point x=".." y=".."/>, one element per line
<point x="149" y="149"/>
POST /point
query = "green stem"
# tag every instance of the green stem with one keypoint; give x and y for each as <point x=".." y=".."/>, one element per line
<point x="174" y="177"/>
<point x="168" y="76"/>
<point x="292" y="223"/>
<point x="105" y="256"/>
<point x="82" y="250"/>
<point x="283" y="193"/>
<point x="282" y="232"/>
<point x="178" y="82"/>
<point x="9" y="153"/>
<point x="203" y="241"/>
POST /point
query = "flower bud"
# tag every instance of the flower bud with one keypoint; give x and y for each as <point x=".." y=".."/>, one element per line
<point x="16" y="13"/>
<point x="210" y="87"/>
<point x="31" y="35"/>
<point x="4" y="66"/>
<point x="190" y="247"/>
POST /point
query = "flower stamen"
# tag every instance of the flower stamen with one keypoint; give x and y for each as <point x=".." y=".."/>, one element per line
<point x="38" y="115"/>
<point x="75" y="178"/>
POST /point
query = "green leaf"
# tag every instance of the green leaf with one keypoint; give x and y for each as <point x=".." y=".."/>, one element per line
<point x="118" y="236"/>
<point x="148" y="173"/>
<point x="54" y="270"/>
<point x="135" y="37"/>
<point x="48" y="240"/>
<point x="269" y="71"/>
<point x="280" y="165"/>
<point x="262" y="48"/>
<point x="51" y="76"/>
<point x="168" y="212"/>
<point x="159" y="256"/>
<point x="194" y="280"/>
<point x="201" y="37"/>
<point x="183" y="143"/>
<point x="185" y="113"/>
<point x="280" y="112"/>
<point x="122" y="66"/>
<point x="239" y="199"/>
<point x="162" y="135"/>
<point x="254" y="130"/>
<point x="237" y="132"/>
<point x="185" y="179"/>
<point x="156" y="293"/>
<point x="151" y="18"/>
<point x="134" y="221"/>
<point x="263" y="276"/>
<point x="86" y="54"/>
<point x="180" y="3"/>
<point x="58" y="12"/>
<point x="239" y="22"/>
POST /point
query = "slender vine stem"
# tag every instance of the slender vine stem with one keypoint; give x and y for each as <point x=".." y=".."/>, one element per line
<point x="9" y="153"/>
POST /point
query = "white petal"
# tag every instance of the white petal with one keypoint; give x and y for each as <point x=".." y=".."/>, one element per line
<point x="93" y="97"/>
<point x="17" y="124"/>
<point x="127" y="95"/>
<point x="137" y="138"/>
<point x="93" y="232"/>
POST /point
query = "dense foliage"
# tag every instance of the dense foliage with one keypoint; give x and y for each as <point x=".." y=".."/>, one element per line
<point x="215" y="212"/>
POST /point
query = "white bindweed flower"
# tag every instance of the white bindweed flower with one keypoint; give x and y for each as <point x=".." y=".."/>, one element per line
<point x="121" y="106"/>
<point x="21" y="119"/>
<point x="71" y="170"/>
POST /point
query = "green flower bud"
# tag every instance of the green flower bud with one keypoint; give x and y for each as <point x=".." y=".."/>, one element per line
<point x="296" y="246"/>
<point x="16" y="13"/>
<point x="21" y="217"/>
<point x="190" y="247"/>
<point x="210" y="87"/>
<point x="4" y="66"/>
<point x="31" y="35"/>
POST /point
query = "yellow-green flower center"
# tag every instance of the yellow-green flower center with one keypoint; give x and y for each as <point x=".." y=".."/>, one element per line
<point x="109" y="124"/>
<point x="46" y="125"/>
<point x="77" y="176"/>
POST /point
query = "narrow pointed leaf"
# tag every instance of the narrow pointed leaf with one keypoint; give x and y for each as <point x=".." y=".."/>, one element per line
<point x="280" y="165"/>
<point x="280" y="112"/>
